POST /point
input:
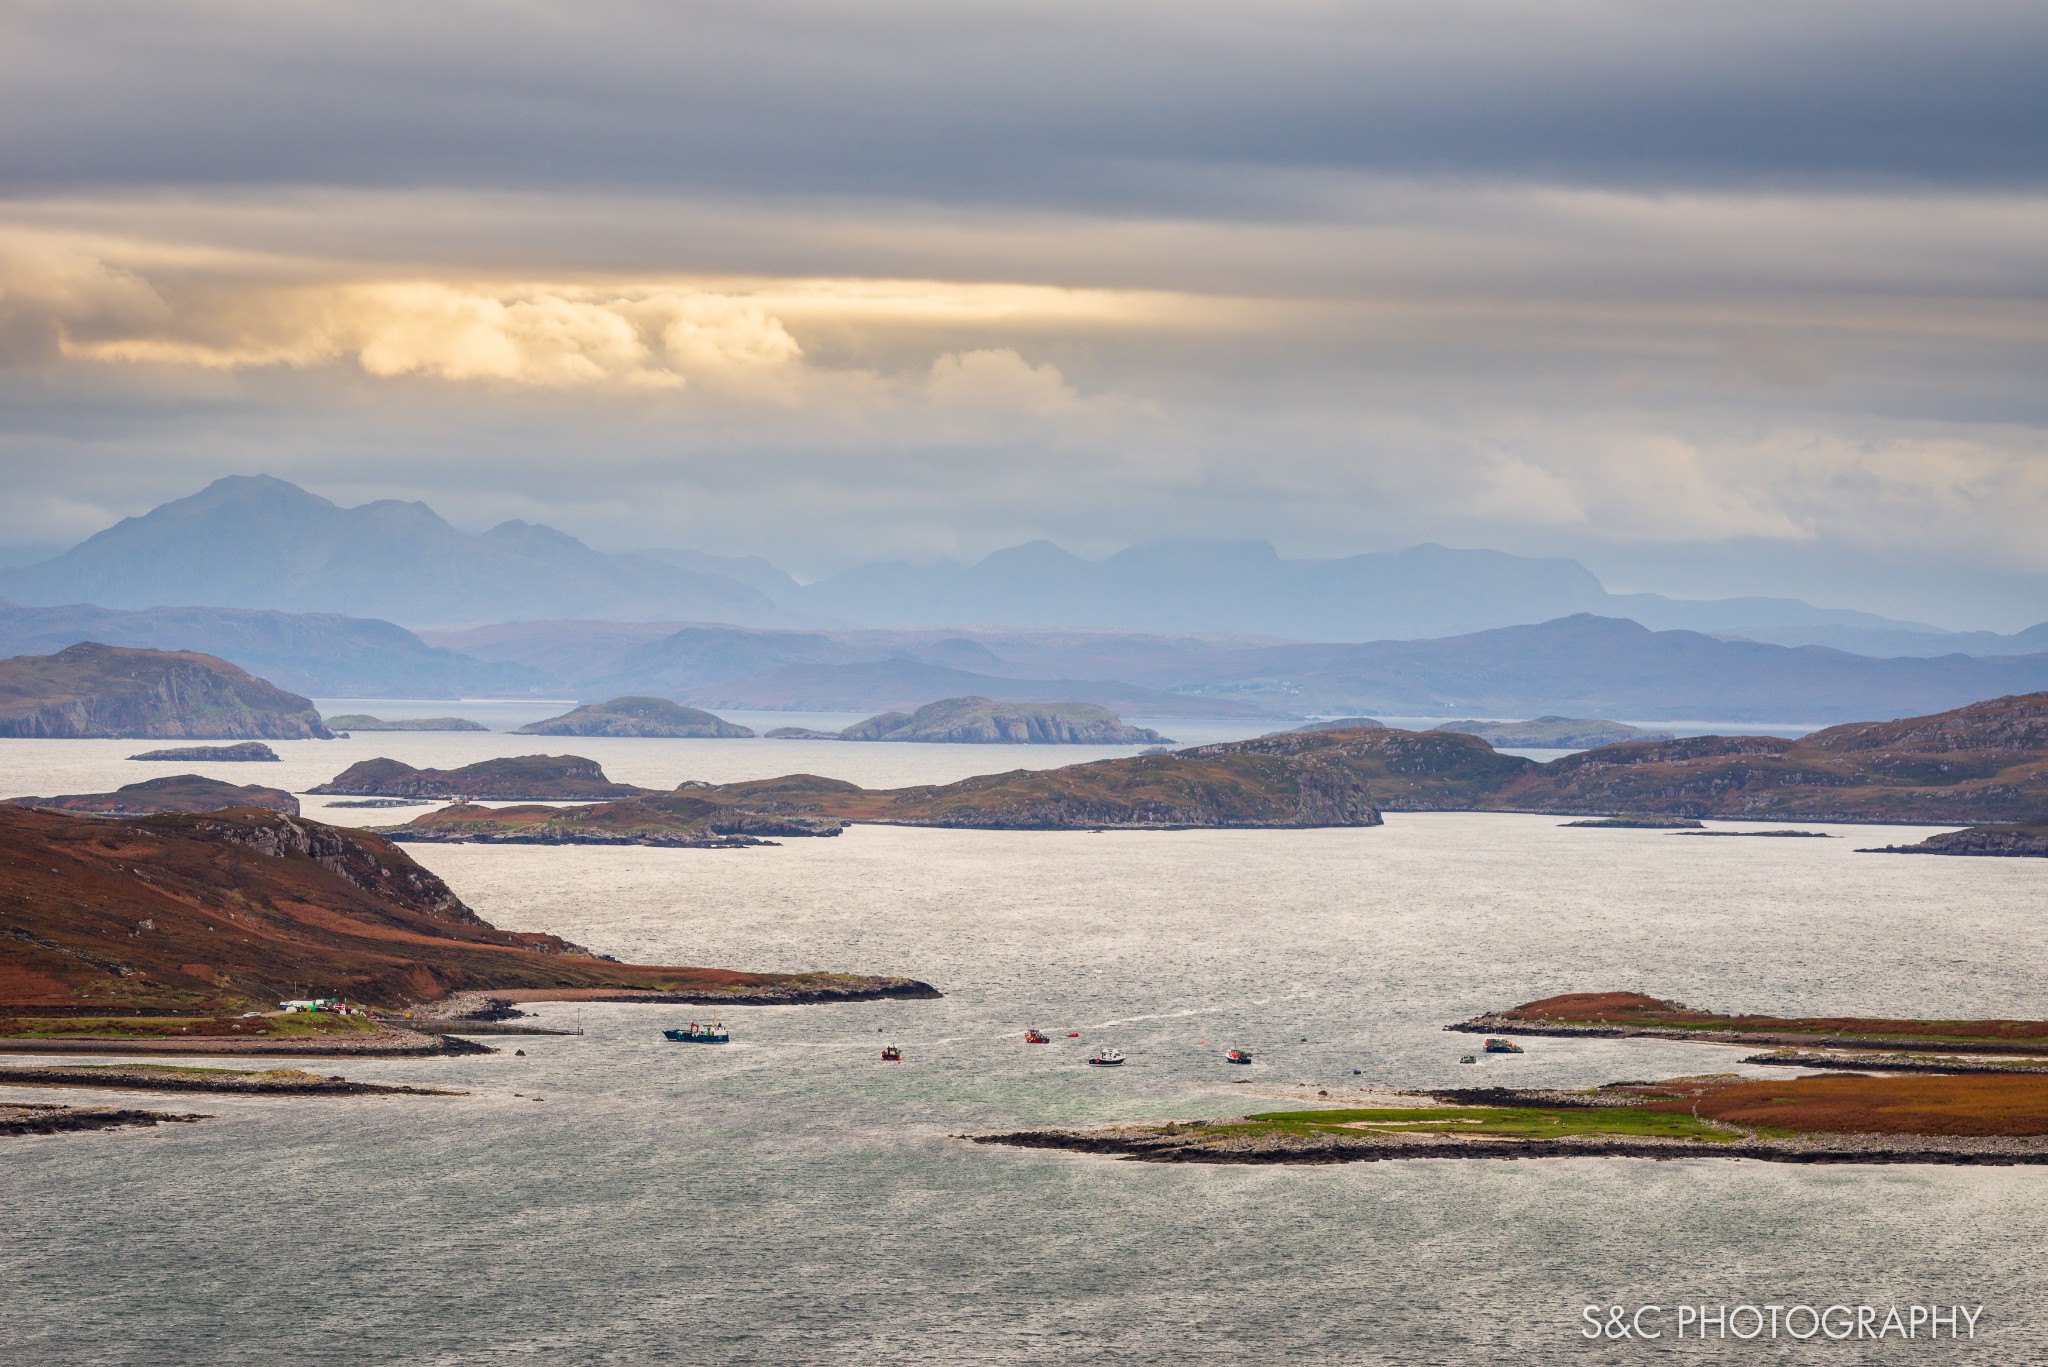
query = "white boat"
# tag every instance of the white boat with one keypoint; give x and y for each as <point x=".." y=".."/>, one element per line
<point x="1106" y="1058"/>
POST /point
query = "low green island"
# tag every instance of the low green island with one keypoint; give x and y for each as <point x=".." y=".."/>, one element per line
<point x="362" y="721"/>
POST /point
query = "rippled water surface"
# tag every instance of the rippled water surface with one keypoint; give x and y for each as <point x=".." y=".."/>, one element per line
<point x="789" y="1198"/>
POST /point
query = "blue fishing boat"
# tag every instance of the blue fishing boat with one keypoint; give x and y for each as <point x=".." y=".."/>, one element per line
<point x="694" y="1033"/>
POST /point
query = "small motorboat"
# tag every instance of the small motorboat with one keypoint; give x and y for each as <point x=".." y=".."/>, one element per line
<point x="891" y="1054"/>
<point x="1037" y="1037"/>
<point x="694" y="1033"/>
<point x="1502" y="1046"/>
<point x="1106" y="1058"/>
<point x="1073" y="1034"/>
<point x="1238" y="1056"/>
<point x="1468" y="1058"/>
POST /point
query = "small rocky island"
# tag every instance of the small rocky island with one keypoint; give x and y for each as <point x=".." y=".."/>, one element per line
<point x="247" y="752"/>
<point x="93" y="690"/>
<point x="645" y="718"/>
<point x="2021" y="840"/>
<point x="176" y="793"/>
<point x="1637" y="823"/>
<point x="981" y="721"/>
<point x="524" y="778"/>
<point x="679" y="820"/>
<point x="363" y="721"/>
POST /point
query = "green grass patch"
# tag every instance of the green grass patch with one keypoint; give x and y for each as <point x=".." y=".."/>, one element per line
<point x="296" y="1025"/>
<point x="1512" y="1122"/>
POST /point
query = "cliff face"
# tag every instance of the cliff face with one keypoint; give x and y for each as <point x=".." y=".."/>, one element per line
<point x="92" y="690"/>
<point x="980" y="721"/>
<point x="652" y="718"/>
<point x="527" y="778"/>
<point x="176" y="793"/>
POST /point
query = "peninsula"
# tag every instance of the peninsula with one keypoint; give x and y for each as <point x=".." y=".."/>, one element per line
<point x="175" y="793"/>
<point x="246" y="752"/>
<point x="92" y="690"/>
<point x="157" y="933"/>
<point x="655" y="718"/>
<point x="526" y="778"/>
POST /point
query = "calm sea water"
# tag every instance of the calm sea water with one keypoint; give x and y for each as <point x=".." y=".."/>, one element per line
<point x="611" y="1198"/>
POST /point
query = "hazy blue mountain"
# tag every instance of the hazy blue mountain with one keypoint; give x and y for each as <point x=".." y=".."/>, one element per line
<point x="1423" y="592"/>
<point x="1601" y="667"/>
<point x="317" y="653"/>
<point x="750" y="570"/>
<point x="258" y="542"/>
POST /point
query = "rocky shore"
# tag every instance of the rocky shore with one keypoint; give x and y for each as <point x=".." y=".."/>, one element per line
<point x="390" y="1043"/>
<point x="808" y="989"/>
<point x="1897" y="1063"/>
<point x="18" y="1120"/>
<point x="1198" y="1142"/>
<point x="1493" y="1023"/>
<point x="149" y="1078"/>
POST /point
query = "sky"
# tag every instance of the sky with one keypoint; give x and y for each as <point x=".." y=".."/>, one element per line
<point x="1740" y="298"/>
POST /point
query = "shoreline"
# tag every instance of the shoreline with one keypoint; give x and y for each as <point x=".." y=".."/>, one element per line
<point x="31" y="1119"/>
<point x="385" y="1044"/>
<point x="1185" y="1144"/>
<point x="276" y="1082"/>
<point x="1491" y="1024"/>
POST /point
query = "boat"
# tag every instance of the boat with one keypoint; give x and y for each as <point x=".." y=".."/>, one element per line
<point x="1238" y="1056"/>
<point x="891" y="1054"/>
<point x="1468" y="1058"/>
<point x="1073" y="1034"/>
<point x="1502" y="1046"/>
<point x="1036" y="1037"/>
<point x="694" y="1033"/>
<point x="1106" y="1058"/>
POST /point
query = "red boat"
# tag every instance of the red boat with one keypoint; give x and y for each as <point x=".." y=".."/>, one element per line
<point x="1238" y="1056"/>
<point x="1073" y="1034"/>
<point x="891" y="1054"/>
<point x="1035" y="1037"/>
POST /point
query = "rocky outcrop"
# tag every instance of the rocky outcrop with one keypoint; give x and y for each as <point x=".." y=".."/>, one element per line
<point x="92" y="690"/>
<point x="176" y="793"/>
<point x="248" y="752"/>
<point x="646" y="718"/>
<point x="526" y="778"/>
<point x="2027" y="841"/>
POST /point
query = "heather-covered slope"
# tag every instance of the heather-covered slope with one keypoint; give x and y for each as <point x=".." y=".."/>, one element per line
<point x="239" y="909"/>
<point x="101" y="690"/>
<point x="1987" y="762"/>
<point x="524" y="778"/>
<point x="174" y="793"/>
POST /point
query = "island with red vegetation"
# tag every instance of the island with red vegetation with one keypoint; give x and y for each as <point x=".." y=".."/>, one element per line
<point x="1619" y="1015"/>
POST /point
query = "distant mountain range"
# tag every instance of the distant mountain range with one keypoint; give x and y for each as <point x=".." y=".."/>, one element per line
<point x="319" y="653"/>
<point x="255" y="542"/>
<point x="258" y="542"/>
<point x="1581" y="666"/>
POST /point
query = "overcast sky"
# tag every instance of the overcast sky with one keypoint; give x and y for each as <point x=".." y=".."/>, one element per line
<point x="1743" y="297"/>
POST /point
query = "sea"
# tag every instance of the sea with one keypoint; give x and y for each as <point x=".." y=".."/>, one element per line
<point x="608" y="1197"/>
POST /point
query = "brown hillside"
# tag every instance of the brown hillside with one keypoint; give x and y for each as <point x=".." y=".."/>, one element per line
<point x="96" y="690"/>
<point x="233" y="910"/>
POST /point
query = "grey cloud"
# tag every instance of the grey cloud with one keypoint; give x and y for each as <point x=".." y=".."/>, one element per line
<point x="1121" y="109"/>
